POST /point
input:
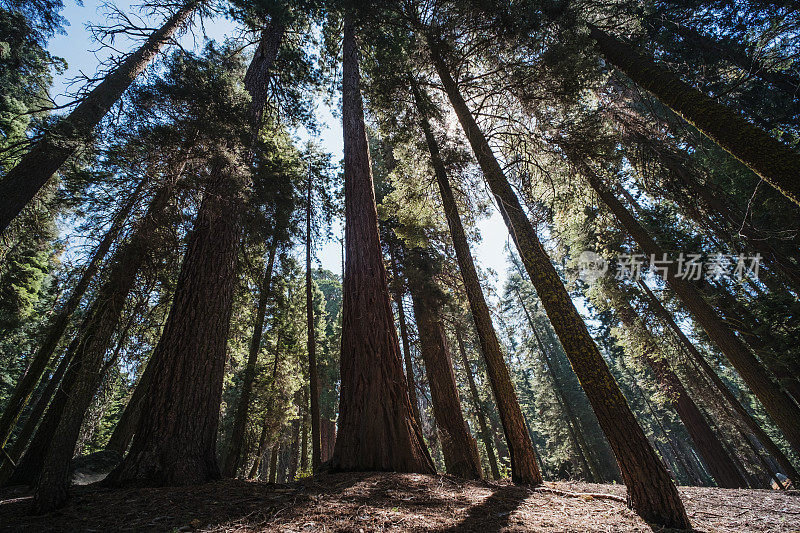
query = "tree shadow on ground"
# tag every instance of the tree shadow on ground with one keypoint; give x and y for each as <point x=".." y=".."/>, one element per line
<point x="494" y="513"/>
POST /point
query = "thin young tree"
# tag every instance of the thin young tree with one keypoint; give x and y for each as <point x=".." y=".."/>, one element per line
<point x="313" y="377"/>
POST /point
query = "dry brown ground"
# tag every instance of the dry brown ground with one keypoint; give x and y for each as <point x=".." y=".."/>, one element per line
<point x="400" y="502"/>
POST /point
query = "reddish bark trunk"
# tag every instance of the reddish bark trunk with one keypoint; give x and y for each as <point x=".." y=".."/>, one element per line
<point x="377" y="428"/>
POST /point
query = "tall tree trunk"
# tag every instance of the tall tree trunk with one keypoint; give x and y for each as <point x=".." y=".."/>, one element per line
<point x="397" y="285"/>
<point x="33" y="419"/>
<point x="716" y="458"/>
<point x="737" y="55"/>
<point x="783" y="411"/>
<point x="313" y="377"/>
<point x="175" y="443"/>
<point x="262" y="438"/>
<point x="19" y="397"/>
<point x="651" y="492"/>
<point x="457" y="446"/>
<point x="95" y="337"/>
<point x="69" y="134"/>
<point x="486" y="436"/>
<point x="236" y="442"/>
<point x="751" y="423"/>
<point x="770" y="159"/>
<point x="377" y="428"/>
<point x="524" y="468"/>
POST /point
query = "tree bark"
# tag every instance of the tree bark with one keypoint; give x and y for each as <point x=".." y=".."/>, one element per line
<point x="651" y="492"/>
<point x="457" y="446"/>
<point x="21" y="394"/>
<point x="313" y="377"/>
<point x="486" y="436"/>
<point x="304" y="437"/>
<point x="377" y="428"/>
<point x="524" y="468"/>
<point x="175" y="443"/>
<point x="236" y="442"/>
<point x="95" y="336"/>
<point x="770" y="159"/>
<point x="751" y="423"/>
<point x="783" y="411"/>
<point x="23" y="181"/>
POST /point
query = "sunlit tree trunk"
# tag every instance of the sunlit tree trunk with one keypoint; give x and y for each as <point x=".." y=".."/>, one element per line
<point x="770" y="159"/>
<point x="651" y="492"/>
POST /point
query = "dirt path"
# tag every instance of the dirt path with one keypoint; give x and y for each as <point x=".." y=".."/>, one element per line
<point x="400" y="502"/>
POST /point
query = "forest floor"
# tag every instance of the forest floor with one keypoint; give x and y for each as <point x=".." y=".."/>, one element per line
<point x="380" y="501"/>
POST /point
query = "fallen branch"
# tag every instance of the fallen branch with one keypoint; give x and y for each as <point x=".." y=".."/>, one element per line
<point x="585" y="495"/>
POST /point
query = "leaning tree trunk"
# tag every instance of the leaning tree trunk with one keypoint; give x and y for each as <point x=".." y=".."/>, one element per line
<point x="377" y="428"/>
<point x="33" y="419"/>
<point x="524" y="468"/>
<point x="651" y="492"/>
<point x="95" y="337"/>
<point x="313" y="377"/>
<point x="486" y="436"/>
<point x="752" y="424"/>
<point x="123" y="431"/>
<point x="770" y="159"/>
<point x="783" y="411"/>
<point x="460" y="456"/>
<point x="21" y="394"/>
<point x="175" y="441"/>
<point x="236" y="443"/>
<point x="397" y="286"/>
<point x="715" y="457"/>
<point x="69" y="134"/>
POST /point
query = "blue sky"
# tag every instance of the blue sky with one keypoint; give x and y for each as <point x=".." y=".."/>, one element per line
<point x="83" y="57"/>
